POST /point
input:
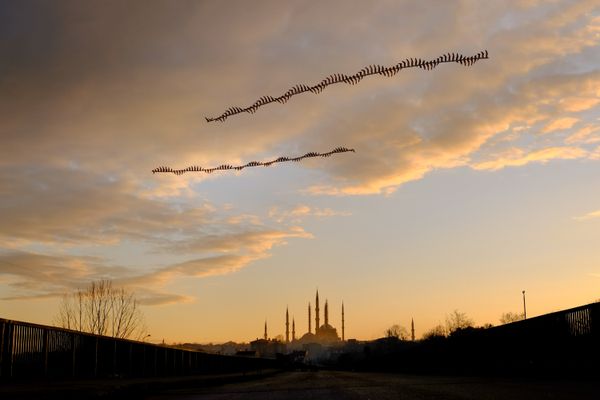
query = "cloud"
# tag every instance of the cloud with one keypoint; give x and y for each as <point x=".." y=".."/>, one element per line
<point x="72" y="206"/>
<point x="301" y="211"/>
<point x="402" y="142"/>
<point x="60" y="211"/>
<point x="587" y="134"/>
<point x="577" y="104"/>
<point x="560" y="124"/>
<point x="590" y="215"/>
<point x="255" y="241"/>
<point x="127" y="90"/>
<point x="41" y="275"/>
<point x="160" y="299"/>
<point x="517" y="157"/>
<point x="92" y="97"/>
<point x="36" y="276"/>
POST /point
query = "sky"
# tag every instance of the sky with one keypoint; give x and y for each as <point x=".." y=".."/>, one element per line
<point x="468" y="184"/>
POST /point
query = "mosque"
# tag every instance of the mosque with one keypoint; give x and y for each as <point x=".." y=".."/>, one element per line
<point x="324" y="334"/>
<point x="314" y="345"/>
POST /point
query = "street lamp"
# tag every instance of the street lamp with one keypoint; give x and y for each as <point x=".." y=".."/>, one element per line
<point x="524" y="307"/>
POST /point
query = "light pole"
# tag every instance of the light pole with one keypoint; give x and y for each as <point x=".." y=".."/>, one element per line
<point x="524" y="307"/>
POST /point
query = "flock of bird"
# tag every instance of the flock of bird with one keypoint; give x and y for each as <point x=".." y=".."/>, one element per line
<point x="353" y="80"/>
<point x="226" y="167"/>
<point x="318" y="88"/>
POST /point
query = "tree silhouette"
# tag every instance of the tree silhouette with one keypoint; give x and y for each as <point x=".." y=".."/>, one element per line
<point x="397" y="331"/>
<point x="509" y="317"/>
<point x="437" y="331"/>
<point x="457" y="320"/>
<point x="103" y="310"/>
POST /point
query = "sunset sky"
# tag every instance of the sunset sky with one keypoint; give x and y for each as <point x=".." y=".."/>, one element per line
<point x="468" y="185"/>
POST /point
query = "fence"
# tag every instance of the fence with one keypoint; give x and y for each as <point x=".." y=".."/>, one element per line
<point x="579" y="321"/>
<point x="559" y="343"/>
<point x="567" y="340"/>
<point x="34" y="351"/>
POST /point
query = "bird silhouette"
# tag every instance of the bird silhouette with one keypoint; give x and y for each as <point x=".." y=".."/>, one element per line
<point x="352" y="80"/>
<point x="225" y="167"/>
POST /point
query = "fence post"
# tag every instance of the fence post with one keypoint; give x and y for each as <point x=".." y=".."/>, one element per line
<point x="73" y="355"/>
<point x="155" y="361"/>
<point x="114" y="358"/>
<point x="96" y="358"/>
<point x="45" y="351"/>
<point x="130" y="358"/>
<point x="2" y="348"/>
<point x="10" y="338"/>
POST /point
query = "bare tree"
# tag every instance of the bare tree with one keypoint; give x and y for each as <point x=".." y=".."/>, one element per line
<point x="397" y="331"/>
<point x="103" y="310"/>
<point x="436" y="331"/>
<point x="457" y="320"/>
<point x="509" y="317"/>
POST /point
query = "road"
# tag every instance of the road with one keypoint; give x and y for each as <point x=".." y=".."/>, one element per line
<point x="350" y="386"/>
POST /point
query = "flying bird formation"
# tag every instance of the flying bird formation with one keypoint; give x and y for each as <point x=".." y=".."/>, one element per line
<point x="251" y="163"/>
<point x="318" y="88"/>
<point x="353" y="80"/>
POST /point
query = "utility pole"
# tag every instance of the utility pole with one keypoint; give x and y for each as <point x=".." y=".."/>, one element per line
<point x="524" y="307"/>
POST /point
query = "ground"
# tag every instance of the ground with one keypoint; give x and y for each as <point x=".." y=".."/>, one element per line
<point x="349" y="386"/>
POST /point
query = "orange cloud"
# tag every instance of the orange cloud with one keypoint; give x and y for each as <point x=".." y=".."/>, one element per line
<point x="577" y="104"/>
<point x="559" y="124"/>
<point x="517" y="157"/>
<point x="590" y="215"/>
<point x="301" y="211"/>
<point x="587" y="134"/>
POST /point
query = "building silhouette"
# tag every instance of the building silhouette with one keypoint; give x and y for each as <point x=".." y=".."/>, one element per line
<point x="326" y="333"/>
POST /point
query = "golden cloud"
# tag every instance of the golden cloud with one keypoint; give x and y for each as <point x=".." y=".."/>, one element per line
<point x="590" y="215"/>
<point x="560" y="124"/>
<point x="517" y="157"/>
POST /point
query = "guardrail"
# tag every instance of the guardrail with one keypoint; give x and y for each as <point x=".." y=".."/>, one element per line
<point x="560" y="343"/>
<point x="29" y="351"/>
<point x="579" y="321"/>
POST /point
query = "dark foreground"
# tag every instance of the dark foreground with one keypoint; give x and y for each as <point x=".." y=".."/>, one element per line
<point x="349" y="385"/>
<point x="274" y="385"/>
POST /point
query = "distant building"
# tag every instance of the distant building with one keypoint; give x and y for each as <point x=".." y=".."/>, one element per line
<point x="267" y="348"/>
<point x="324" y="334"/>
<point x="312" y="345"/>
<point x="246" y="353"/>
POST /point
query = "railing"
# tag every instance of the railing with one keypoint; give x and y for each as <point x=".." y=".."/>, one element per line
<point x="568" y="339"/>
<point x="35" y="351"/>
<point x="578" y="321"/>
<point x="561" y="343"/>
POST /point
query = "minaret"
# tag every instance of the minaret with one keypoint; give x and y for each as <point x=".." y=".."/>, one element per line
<point x="287" y="326"/>
<point x="343" y="333"/>
<point x="326" y="313"/>
<point x="293" y="330"/>
<point x="317" y="313"/>
<point x="266" y="330"/>
<point x="309" y="319"/>
<point x="412" y="329"/>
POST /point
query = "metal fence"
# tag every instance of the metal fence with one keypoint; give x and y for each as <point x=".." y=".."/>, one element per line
<point x="35" y="351"/>
<point x="578" y="321"/>
<point x="561" y="343"/>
